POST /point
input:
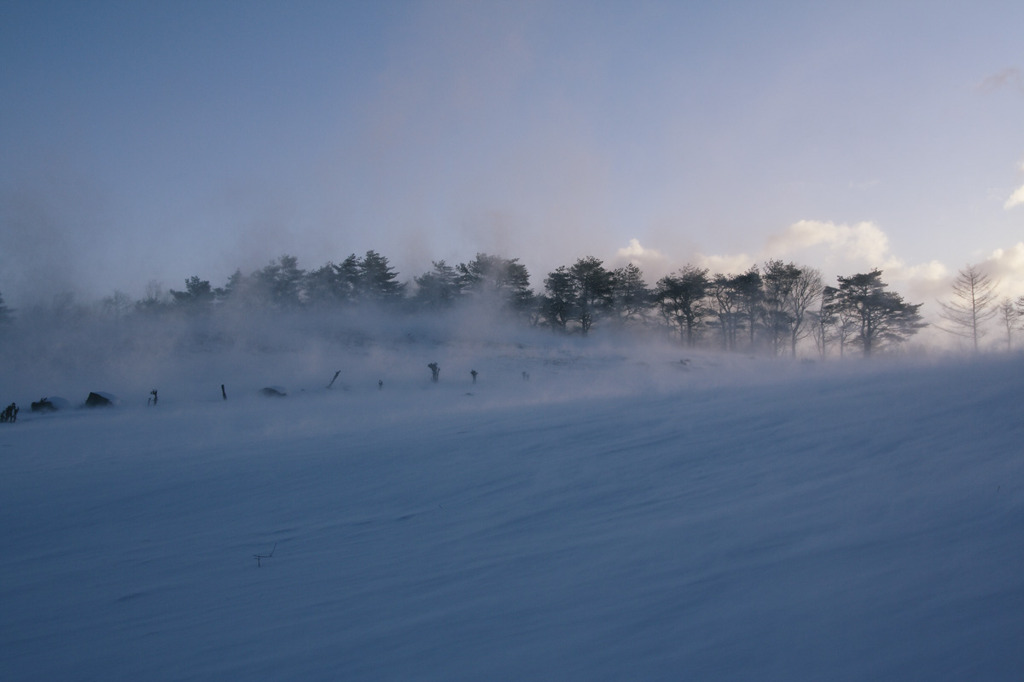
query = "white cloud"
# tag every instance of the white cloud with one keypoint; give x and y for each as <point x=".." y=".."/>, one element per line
<point x="921" y="282"/>
<point x="1011" y="259"/>
<point x="863" y="241"/>
<point x="840" y="249"/>
<point x="1016" y="199"/>
<point x="728" y="264"/>
<point x="1006" y="266"/>
<point x="843" y="249"/>
<point x="652" y="262"/>
<point x="635" y="250"/>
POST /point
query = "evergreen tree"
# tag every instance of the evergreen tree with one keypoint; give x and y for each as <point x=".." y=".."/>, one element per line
<point x="439" y="288"/>
<point x="324" y="286"/>
<point x="558" y="302"/>
<point x="592" y="285"/>
<point x="631" y="297"/>
<point x="378" y="282"/>
<point x="750" y="301"/>
<point x="682" y="300"/>
<point x="347" y="279"/>
<point x="580" y="293"/>
<point x="777" y="283"/>
<point x="198" y="295"/>
<point x="505" y="279"/>
<point x="725" y="294"/>
<point x="234" y="288"/>
<point x="279" y="284"/>
<point x="882" y="317"/>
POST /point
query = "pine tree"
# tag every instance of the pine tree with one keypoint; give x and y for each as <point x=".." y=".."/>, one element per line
<point x="439" y="288"/>
<point x="558" y="302"/>
<point x="593" y="287"/>
<point x="378" y="282"/>
<point x="682" y="299"/>
<point x="494" y="277"/>
<point x="883" y="317"/>
<point x="631" y="296"/>
<point x="197" y="295"/>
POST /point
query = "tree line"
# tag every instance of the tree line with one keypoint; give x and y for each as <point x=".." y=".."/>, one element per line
<point x="768" y="309"/>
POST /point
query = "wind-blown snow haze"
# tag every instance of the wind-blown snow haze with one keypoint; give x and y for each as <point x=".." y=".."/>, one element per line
<point x="579" y="510"/>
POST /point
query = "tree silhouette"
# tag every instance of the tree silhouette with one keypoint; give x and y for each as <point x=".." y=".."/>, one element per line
<point x="506" y="279"/>
<point x="789" y="292"/>
<point x="1009" y="317"/>
<point x="838" y="321"/>
<point x="348" y="278"/>
<point x="749" y="298"/>
<point x="883" y="317"/>
<point x="592" y="286"/>
<point x="631" y="297"/>
<point x="973" y="304"/>
<point x="154" y="301"/>
<point x="682" y="299"/>
<point x="725" y="293"/>
<point x="378" y="281"/>
<point x="557" y="303"/>
<point x="439" y="288"/>
<point x="323" y="286"/>
<point x="197" y="295"/>
<point x="280" y="283"/>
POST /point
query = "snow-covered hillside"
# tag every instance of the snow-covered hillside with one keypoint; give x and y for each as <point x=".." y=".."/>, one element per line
<point x="622" y="513"/>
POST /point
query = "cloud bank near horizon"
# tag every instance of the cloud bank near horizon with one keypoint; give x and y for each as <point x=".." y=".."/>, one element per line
<point x="833" y="248"/>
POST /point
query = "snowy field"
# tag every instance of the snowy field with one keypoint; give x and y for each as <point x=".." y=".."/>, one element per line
<point x="626" y="513"/>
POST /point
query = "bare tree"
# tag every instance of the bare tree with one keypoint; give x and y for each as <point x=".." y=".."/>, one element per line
<point x="117" y="305"/>
<point x="789" y="293"/>
<point x="1009" y="316"/>
<point x="836" y="322"/>
<point x="973" y="304"/>
<point x="725" y="296"/>
<point x="806" y="291"/>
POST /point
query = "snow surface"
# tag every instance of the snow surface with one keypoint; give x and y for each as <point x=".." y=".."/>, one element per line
<point x="626" y="513"/>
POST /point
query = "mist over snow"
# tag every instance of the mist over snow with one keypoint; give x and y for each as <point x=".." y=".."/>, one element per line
<point x="588" y="509"/>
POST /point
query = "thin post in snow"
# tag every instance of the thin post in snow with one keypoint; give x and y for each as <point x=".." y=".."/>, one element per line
<point x="259" y="557"/>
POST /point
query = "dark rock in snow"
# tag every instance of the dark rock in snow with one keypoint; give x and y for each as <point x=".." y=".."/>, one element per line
<point x="51" y="404"/>
<point x="273" y="392"/>
<point x="44" y="405"/>
<point x="100" y="399"/>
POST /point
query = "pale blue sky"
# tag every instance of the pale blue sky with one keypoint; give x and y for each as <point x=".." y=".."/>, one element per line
<point x="157" y="140"/>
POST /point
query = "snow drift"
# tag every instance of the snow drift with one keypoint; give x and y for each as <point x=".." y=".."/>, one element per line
<point x="620" y="515"/>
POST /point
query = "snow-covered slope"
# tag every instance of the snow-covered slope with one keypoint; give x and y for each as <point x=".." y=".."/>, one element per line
<point x="618" y="515"/>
